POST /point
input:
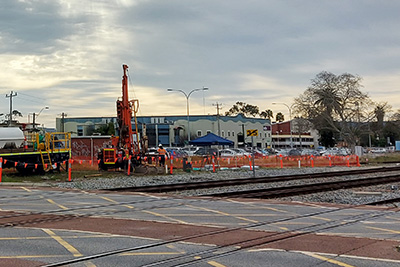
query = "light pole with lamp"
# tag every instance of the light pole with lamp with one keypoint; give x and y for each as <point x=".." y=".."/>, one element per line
<point x="35" y="116"/>
<point x="187" y="95"/>
<point x="290" y="121"/>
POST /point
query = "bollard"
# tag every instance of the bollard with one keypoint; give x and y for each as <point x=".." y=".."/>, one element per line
<point x="251" y="166"/>
<point x="312" y="162"/>
<point x="129" y="165"/>
<point x="281" y="162"/>
<point x="330" y="161"/>
<point x="69" y="169"/>
<point x="299" y="164"/>
<point x="358" y="161"/>
<point x="1" y="167"/>
<point x="213" y="163"/>
<point x="171" y="167"/>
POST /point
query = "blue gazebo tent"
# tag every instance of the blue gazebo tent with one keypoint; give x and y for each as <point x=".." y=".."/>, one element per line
<point x="211" y="139"/>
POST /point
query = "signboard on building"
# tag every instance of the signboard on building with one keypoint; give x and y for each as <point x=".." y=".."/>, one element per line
<point x="253" y="132"/>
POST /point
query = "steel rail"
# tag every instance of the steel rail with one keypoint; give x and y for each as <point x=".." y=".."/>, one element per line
<point x="308" y="188"/>
<point x="242" y="181"/>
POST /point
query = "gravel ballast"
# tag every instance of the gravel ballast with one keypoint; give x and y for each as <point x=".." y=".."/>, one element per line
<point x="357" y="196"/>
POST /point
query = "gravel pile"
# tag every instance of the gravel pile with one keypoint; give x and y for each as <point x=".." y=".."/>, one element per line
<point x="351" y="196"/>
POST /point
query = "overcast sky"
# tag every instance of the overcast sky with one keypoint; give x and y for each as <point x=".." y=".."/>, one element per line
<point x="68" y="54"/>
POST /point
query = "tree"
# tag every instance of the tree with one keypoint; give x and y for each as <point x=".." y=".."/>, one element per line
<point x="267" y="114"/>
<point x="243" y="108"/>
<point x="14" y="113"/>
<point x="106" y="129"/>
<point x="336" y="106"/>
<point x="300" y="126"/>
<point x="279" y="117"/>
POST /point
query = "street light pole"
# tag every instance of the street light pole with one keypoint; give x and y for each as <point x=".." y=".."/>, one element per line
<point x="35" y="116"/>
<point x="290" y="122"/>
<point x="187" y="103"/>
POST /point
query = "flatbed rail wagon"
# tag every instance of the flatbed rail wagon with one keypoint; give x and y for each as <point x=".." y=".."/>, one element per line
<point x="34" y="152"/>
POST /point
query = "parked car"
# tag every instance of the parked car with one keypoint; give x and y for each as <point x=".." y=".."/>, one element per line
<point x="190" y="151"/>
<point x="241" y="152"/>
<point x="378" y="150"/>
<point x="294" y="152"/>
<point x="176" y="152"/>
<point x="227" y="153"/>
<point x="204" y="151"/>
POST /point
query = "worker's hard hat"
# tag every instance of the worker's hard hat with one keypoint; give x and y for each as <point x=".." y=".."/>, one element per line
<point x="160" y="145"/>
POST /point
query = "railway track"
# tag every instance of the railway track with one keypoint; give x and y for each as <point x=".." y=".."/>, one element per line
<point x="308" y="188"/>
<point x="165" y="188"/>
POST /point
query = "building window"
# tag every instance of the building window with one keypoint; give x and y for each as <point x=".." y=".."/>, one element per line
<point x="222" y="133"/>
<point x="229" y="133"/>
<point x="208" y="131"/>
<point x="198" y="133"/>
<point x="233" y="133"/>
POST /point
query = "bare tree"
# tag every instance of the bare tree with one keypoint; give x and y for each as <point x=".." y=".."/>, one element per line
<point x="301" y="126"/>
<point x="335" y="103"/>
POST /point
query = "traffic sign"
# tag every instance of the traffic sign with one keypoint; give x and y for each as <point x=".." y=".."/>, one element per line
<point x="253" y="132"/>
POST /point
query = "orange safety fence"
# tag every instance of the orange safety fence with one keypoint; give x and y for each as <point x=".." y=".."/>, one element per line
<point x="213" y="163"/>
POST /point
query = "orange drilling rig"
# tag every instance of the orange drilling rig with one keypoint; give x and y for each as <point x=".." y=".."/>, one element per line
<point x="126" y="150"/>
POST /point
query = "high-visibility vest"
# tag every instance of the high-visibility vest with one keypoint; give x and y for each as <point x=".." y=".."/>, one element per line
<point x="162" y="151"/>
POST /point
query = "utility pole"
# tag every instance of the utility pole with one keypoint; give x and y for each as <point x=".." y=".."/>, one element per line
<point x="11" y="95"/>
<point x="218" y="108"/>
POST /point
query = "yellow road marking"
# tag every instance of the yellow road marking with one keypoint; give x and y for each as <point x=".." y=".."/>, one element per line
<point x="26" y="189"/>
<point x="149" y="253"/>
<point x="116" y="202"/>
<point x="383" y="229"/>
<point x="259" y="207"/>
<point x="30" y="256"/>
<point x="224" y="213"/>
<point x="339" y="263"/>
<point x="175" y="248"/>
<point x="215" y="264"/>
<point x="164" y="216"/>
<point x="62" y="242"/>
<point x="321" y="218"/>
<point x="53" y="202"/>
<point x="41" y="237"/>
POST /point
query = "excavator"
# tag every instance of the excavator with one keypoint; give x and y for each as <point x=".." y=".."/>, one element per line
<point x="128" y="148"/>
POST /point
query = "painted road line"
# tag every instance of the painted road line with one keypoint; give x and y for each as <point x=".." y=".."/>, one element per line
<point x="149" y="253"/>
<point x="48" y="237"/>
<point x="64" y="243"/>
<point x="216" y="264"/>
<point x="383" y="229"/>
<point x="321" y="218"/>
<point x="26" y="189"/>
<point x="116" y="202"/>
<point x="339" y="263"/>
<point x="223" y="213"/>
<point x="31" y="256"/>
<point x="58" y="205"/>
<point x="163" y="216"/>
<point x="258" y="207"/>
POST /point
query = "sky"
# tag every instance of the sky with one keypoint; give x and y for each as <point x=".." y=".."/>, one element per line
<point x="68" y="54"/>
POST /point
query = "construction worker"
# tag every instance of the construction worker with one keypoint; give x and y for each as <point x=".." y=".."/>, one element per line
<point x="162" y="153"/>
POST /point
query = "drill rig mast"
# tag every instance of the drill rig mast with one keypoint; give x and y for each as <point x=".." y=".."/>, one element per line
<point x="125" y="109"/>
<point x="126" y="146"/>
